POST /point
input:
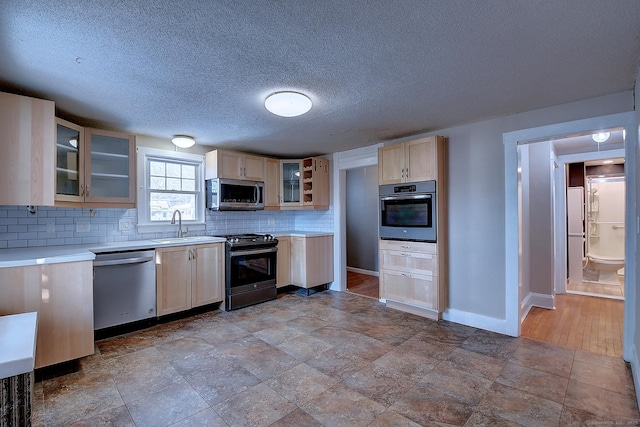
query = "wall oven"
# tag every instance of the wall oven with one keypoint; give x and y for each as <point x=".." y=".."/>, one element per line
<point x="408" y="211"/>
<point x="234" y="194"/>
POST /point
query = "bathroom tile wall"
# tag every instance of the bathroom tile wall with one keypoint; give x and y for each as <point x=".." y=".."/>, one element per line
<point x="49" y="226"/>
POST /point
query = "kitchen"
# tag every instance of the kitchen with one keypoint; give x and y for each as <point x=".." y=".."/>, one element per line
<point x="479" y="290"/>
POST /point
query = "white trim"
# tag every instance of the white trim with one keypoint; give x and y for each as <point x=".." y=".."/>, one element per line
<point x="510" y="140"/>
<point x="476" y="320"/>
<point x="534" y="299"/>
<point x="363" y="271"/>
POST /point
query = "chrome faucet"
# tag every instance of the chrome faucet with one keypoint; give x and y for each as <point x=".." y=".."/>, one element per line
<point x="173" y="221"/>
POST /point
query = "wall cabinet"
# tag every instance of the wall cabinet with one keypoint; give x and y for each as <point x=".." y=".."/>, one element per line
<point x="272" y="184"/>
<point x="409" y="161"/>
<point x="189" y="276"/>
<point x="283" y="262"/>
<point x="62" y="294"/>
<point x="94" y="167"/>
<point x="311" y="261"/>
<point x="234" y="165"/>
<point x="27" y="130"/>
<point x="304" y="184"/>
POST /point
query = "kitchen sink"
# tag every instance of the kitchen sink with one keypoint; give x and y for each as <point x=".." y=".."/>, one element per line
<point x="188" y="239"/>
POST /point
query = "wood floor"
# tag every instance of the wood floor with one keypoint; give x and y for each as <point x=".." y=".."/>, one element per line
<point x="580" y="322"/>
<point x="363" y="284"/>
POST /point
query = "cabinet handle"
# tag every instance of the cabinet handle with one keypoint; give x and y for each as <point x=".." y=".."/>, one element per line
<point x="406" y="274"/>
<point x="194" y="253"/>
<point x="82" y="191"/>
<point x="403" y="254"/>
<point x="405" y="247"/>
<point x="407" y="173"/>
<point x="87" y="192"/>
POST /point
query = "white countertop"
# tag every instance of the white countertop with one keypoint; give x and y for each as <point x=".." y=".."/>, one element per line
<point x="20" y="257"/>
<point x="18" y="338"/>
<point x="298" y="233"/>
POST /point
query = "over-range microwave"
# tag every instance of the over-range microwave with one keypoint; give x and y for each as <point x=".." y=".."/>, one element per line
<point x="224" y="194"/>
<point x="408" y="211"/>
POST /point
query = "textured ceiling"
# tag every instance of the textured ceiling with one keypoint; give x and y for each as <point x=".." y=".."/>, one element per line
<point x="375" y="70"/>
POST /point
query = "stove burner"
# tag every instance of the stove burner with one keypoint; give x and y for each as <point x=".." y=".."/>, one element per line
<point x="250" y="239"/>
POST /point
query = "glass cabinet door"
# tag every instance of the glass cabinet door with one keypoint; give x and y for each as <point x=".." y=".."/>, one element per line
<point x="109" y="167"/>
<point x="69" y="162"/>
<point x="290" y="189"/>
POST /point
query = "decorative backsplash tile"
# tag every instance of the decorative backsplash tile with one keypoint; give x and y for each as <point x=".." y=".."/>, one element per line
<point x="50" y="226"/>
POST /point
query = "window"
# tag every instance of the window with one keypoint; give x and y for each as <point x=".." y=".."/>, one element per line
<point x="169" y="181"/>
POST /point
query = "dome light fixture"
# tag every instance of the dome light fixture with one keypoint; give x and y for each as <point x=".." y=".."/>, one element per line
<point x="183" y="141"/>
<point x="600" y="136"/>
<point x="288" y="104"/>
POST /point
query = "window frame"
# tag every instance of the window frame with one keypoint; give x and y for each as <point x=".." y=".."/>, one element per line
<point x="144" y="156"/>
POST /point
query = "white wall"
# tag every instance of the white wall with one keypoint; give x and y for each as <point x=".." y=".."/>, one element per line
<point x="633" y="329"/>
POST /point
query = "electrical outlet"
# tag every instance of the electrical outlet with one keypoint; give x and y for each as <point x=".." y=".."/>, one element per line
<point x="124" y="224"/>
<point x="51" y="225"/>
<point x="83" y="227"/>
<point x="271" y="221"/>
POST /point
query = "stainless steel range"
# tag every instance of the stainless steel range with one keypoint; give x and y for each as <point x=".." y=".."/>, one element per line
<point x="250" y="272"/>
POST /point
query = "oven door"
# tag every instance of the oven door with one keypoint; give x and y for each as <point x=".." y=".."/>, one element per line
<point x="408" y="217"/>
<point x="251" y="276"/>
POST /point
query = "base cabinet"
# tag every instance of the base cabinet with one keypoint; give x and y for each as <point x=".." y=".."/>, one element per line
<point x="189" y="276"/>
<point x="283" y="262"/>
<point x="311" y="261"/>
<point x="62" y="294"/>
<point x="409" y="275"/>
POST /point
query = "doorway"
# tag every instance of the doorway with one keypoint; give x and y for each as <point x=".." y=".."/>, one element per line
<point x="524" y="295"/>
<point x="362" y="231"/>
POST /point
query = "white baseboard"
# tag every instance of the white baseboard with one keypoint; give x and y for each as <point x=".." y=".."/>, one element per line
<point x="476" y="320"/>
<point x="536" y="300"/>
<point x="635" y="370"/>
<point x="361" y="271"/>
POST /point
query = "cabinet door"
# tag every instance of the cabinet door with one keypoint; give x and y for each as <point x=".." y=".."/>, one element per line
<point x="69" y="162"/>
<point x="62" y="294"/>
<point x="321" y="191"/>
<point x="253" y="168"/>
<point x="421" y="160"/>
<point x="27" y="165"/>
<point x="311" y="261"/>
<point x="173" y="280"/>
<point x="208" y="274"/>
<point x="391" y="168"/>
<point x="290" y="178"/>
<point x="416" y="289"/>
<point x="229" y="164"/>
<point x="272" y="184"/>
<point x="283" y="262"/>
<point x="109" y="167"/>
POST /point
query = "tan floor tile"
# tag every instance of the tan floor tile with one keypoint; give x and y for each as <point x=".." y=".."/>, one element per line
<point x="304" y="347"/>
<point x="257" y="406"/>
<point x="218" y="383"/>
<point x="277" y="333"/>
<point x="119" y="417"/>
<point x="478" y="364"/>
<point x="609" y="378"/>
<point x="301" y="383"/>
<point x="297" y="418"/>
<point x="140" y="384"/>
<point x="461" y="385"/>
<point x="206" y="418"/>
<point x="544" y="357"/>
<point x="538" y="383"/>
<point x="340" y="406"/>
<point x="602" y="403"/>
<point x="166" y="407"/>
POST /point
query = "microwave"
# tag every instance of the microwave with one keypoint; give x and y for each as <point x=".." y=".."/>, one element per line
<point x="408" y="211"/>
<point x="234" y="195"/>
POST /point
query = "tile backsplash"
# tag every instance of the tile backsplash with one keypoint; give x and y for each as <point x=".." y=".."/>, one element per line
<point x="50" y="226"/>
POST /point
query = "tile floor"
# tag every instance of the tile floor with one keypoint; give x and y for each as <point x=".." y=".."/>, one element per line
<point x="333" y="359"/>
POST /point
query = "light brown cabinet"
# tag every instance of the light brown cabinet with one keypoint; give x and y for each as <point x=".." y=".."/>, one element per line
<point x="304" y="184"/>
<point x="189" y="276"/>
<point x="234" y="165"/>
<point x="27" y="130"/>
<point x="94" y="168"/>
<point x="62" y="294"/>
<point x="409" y="274"/>
<point x="311" y="261"/>
<point x="410" y="161"/>
<point x="283" y="262"/>
<point x="272" y="184"/>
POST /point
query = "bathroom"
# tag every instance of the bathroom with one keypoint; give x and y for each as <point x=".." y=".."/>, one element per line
<point x="596" y="211"/>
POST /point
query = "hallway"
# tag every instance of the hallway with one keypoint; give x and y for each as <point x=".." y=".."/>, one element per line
<point x="580" y="322"/>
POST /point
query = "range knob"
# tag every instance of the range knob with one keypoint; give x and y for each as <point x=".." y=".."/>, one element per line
<point x="235" y="239"/>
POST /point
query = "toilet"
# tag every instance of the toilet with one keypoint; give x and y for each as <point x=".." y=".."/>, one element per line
<point x="602" y="269"/>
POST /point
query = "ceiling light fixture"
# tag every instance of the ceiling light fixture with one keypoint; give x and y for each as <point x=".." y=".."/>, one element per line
<point x="607" y="162"/>
<point x="183" y="141"/>
<point x="288" y="104"/>
<point x="600" y="136"/>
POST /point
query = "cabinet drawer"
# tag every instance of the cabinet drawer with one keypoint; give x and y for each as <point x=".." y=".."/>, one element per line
<point x="406" y="261"/>
<point x="417" y="289"/>
<point x="404" y="246"/>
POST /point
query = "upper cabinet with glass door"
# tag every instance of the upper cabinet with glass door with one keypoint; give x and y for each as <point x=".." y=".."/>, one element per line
<point x="290" y="178"/>
<point x="94" y="167"/>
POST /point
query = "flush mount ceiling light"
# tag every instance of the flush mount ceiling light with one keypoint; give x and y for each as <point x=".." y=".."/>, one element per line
<point x="183" y="141"/>
<point x="287" y="104"/>
<point x="600" y="136"/>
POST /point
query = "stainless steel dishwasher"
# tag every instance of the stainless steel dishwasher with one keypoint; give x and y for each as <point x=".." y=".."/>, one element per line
<point x="124" y="288"/>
